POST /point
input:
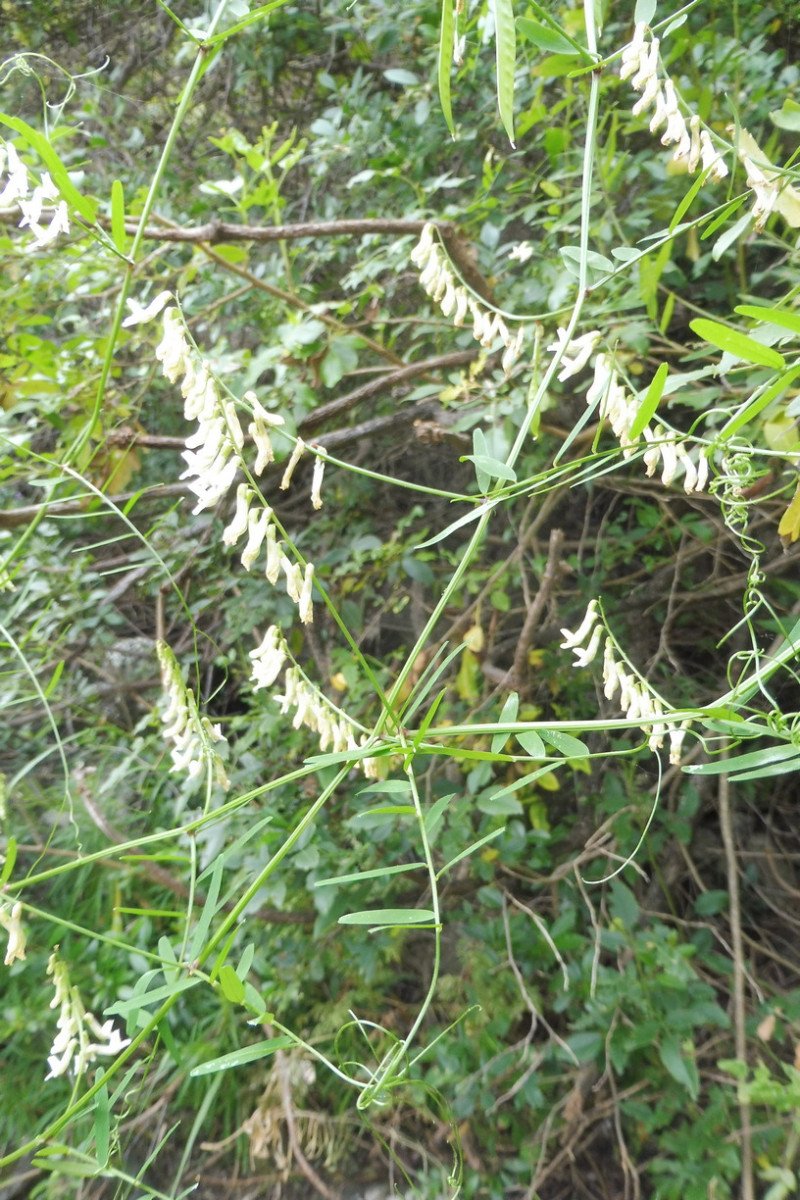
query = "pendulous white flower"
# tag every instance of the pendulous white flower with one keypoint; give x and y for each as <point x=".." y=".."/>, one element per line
<point x="268" y="659"/>
<point x="12" y="923"/>
<point x="294" y="459"/>
<point x="238" y="526"/>
<point x="304" y="604"/>
<point x="316" y="482"/>
<point x="571" y="640"/>
<point x="139" y="314"/>
<point x="257" y="523"/>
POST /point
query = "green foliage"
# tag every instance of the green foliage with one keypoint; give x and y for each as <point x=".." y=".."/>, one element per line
<point x="342" y="860"/>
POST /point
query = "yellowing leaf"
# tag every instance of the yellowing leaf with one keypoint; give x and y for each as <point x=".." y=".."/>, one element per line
<point x="469" y="677"/>
<point x="789" y="528"/>
<point x="788" y="201"/>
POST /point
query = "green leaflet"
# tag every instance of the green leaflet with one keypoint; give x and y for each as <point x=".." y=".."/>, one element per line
<point x="506" y="49"/>
<point x="446" y="43"/>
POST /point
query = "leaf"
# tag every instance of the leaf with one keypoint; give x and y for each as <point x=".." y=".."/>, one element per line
<point x="388" y="917"/>
<point x="787" y="116"/>
<point x="126" y="1008"/>
<point x="54" y="678"/>
<point x="645" y="11"/>
<point x="508" y="714"/>
<point x="387" y="786"/>
<point x="489" y="837"/>
<point x="505" y="37"/>
<point x="435" y="815"/>
<point x="102" y="1125"/>
<point x="681" y="1068"/>
<point x="11" y="858"/>
<point x="446" y="46"/>
<point x="118" y="216"/>
<point x="531" y="743"/>
<point x="377" y="873"/>
<point x="209" y="911"/>
<point x="498" y="805"/>
<point x="493" y="467"/>
<point x="247" y="1054"/>
<point x="741" y="762"/>
<point x="597" y="262"/>
<point x="231" y="984"/>
<point x="565" y="744"/>
<point x="650" y="402"/>
<point x="786" y="318"/>
<point x="739" y="344"/>
<point x="758" y="403"/>
<point x="401" y="76"/>
<point x="544" y="38"/>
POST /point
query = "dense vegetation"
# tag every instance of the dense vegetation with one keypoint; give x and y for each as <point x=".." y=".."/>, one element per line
<point x="398" y="548"/>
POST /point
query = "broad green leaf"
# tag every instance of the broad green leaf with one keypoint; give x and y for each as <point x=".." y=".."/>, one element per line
<point x="498" y="805"/>
<point x="54" y="678"/>
<point x="390" y="917"/>
<point x="544" y="38"/>
<point x="493" y="467"/>
<point x="508" y="714"/>
<point x="118" y="215"/>
<point x="446" y="46"/>
<point x="401" y="76"/>
<point x="681" y="1068"/>
<point x="474" y="515"/>
<point x="239" y="1058"/>
<point x="598" y="262"/>
<point x="650" y="402"/>
<point x="246" y="961"/>
<point x="435" y="815"/>
<point x="505" y="35"/>
<point x="531" y="743"/>
<point x="787" y="116"/>
<point x="730" y="236"/>
<point x="377" y="873"/>
<point x="739" y="344"/>
<point x="786" y="318"/>
<point x="565" y="744"/>
<point x="645" y="11"/>
<point x="231" y="984"/>
<point x="768" y="772"/>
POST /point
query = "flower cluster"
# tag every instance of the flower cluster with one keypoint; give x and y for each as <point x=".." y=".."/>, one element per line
<point x="440" y="283"/>
<point x="213" y="453"/>
<point x="636" y="700"/>
<point x="257" y="522"/>
<point x="315" y="712"/>
<point x="191" y="735"/>
<point x="16" y="192"/>
<point x="10" y="921"/>
<point x="72" y="1047"/>
<point x="693" y="145"/>
<point x="620" y="409"/>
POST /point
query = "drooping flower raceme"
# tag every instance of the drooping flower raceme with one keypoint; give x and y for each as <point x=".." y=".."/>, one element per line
<point x="693" y="145"/>
<point x="80" y="1038"/>
<point x="617" y="406"/>
<point x="635" y="697"/>
<point x="438" y="280"/>
<point x="192" y="736"/>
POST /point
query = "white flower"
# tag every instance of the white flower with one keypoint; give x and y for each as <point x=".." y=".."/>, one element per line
<point x="576" y="353"/>
<point x="521" y="252"/>
<point x="632" y="54"/>
<point x="173" y="349"/>
<point x="274" y="556"/>
<point x="11" y="922"/>
<point x="238" y="526"/>
<point x="711" y="159"/>
<point x="305" y="605"/>
<point x="17" y="184"/>
<point x="584" y="657"/>
<point x="72" y="1047"/>
<point x="257" y="523"/>
<point x="676" y="737"/>
<point x="296" y="455"/>
<point x="316" y="482"/>
<point x="421" y="252"/>
<point x="191" y="735"/>
<point x="139" y="315"/>
<point x="294" y="579"/>
<point x="571" y="640"/>
<point x="268" y="659"/>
